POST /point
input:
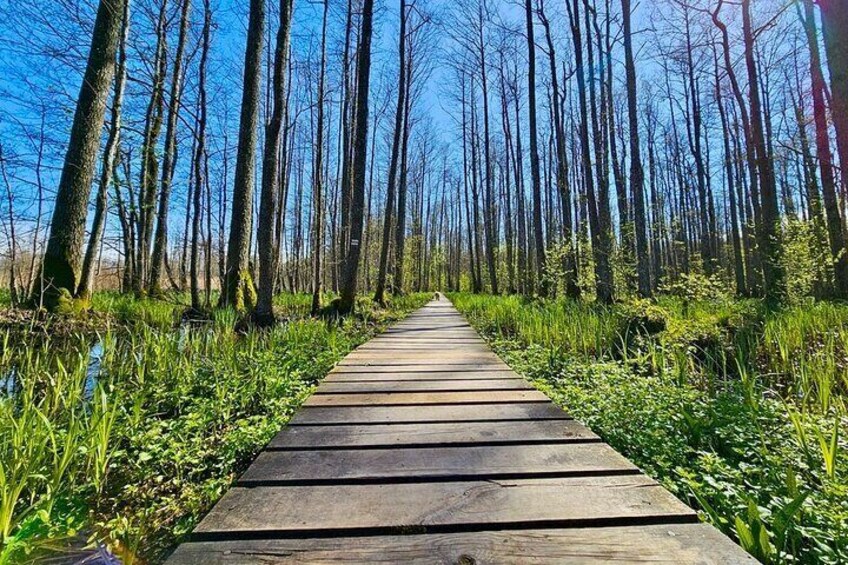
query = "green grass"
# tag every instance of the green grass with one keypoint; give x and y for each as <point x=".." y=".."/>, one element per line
<point x="736" y="408"/>
<point x="176" y="414"/>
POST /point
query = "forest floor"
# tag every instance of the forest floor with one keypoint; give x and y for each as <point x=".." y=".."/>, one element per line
<point x="737" y="408"/>
<point x="122" y="426"/>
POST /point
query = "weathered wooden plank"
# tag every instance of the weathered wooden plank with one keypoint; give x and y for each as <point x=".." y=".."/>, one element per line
<point x="424" y="339"/>
<point x="418" y="340"/>
<point x="411" y="347"/>
<point x="436" y="413"/>
<point x="458" y="327"/>
<point x="453" y="331"/>
<point x="425" y="363"/>
<point x="340" y="375"/>
<point x="476" y="349"/>
<point x="432" y="355"/>
<point x="561" y="502"/>
<point x="436" y="320"/>
<point x="441" y="433"/>
<point x="418" y="368"/>
<point x="412" y="398"/>
<point x="672" y="544"/>
<point x="422" y="358"/>
<point x="449" y="325"/>
<point x="343" y="466"/>
<point x="434" y="368"/>
<point x="451" y="385"/>
<point x="430" y="331"/>
<point x="448" y="320"/>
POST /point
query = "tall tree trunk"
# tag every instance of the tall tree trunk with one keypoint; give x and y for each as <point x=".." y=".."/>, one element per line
<point x="62" y="258"/>
<point x="770" y="229"/>
<point x="350" y="274"/>
<point x="509" y="158"/>
<point x="538" y="235"/>
<point x="598" y="223"/>
<point x="815" y="211"/>
<point x="657" y="202"/>
<point x="738" y="260"/>
<point x="147" y="189"/>
<point x="707" y="255"/>
<point x="10" y="234"/>
<point x="127" y="221"/>
<point x="160" y="238"/>
<point x="754" y="273"/>
<point x="266" y="231"/>
<point x="391" y="188"/>
<point x="520" y="204"/>
<point x="835" y="31"/>
<point x="199" y="160"/>
<point x="476" y="284"/>
<point x="346" y="134"/>
<point x="475" y="187"/>
<point x="238" y="291"/>
<point x="109" y="171"/>
<point x="489" y="204"/>
<point x="317" y="176"/>
<point x="569" y="264"/>
<point x="402" y="189"/>
<point x="835" y="227"/>
<point x="637" y="174"/>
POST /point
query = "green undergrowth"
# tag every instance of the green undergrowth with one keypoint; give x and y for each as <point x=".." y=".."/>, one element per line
<point x="736" y="408"/>
<point x="126" y="436"/>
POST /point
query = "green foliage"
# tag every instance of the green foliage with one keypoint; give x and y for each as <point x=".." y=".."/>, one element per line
<point x="643" y="317"/>
<point x="736" y="408"/>
<point x="805" y="262"/>
<point x="126" y="309"/>
<point x="692" y="287"/>
<point x="130" y="436"/>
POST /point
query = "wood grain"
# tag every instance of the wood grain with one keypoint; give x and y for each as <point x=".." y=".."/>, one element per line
<point x="383" y="507"/>
<point x="440" y="433"/>
<point x="428" y="463"/>
<point x="450" y="385"/>
<point x="670" y="544"/>
<point x="412" y="398"/>
<point x="424" y="413"/>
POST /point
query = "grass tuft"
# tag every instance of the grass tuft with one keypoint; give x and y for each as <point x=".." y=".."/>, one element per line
<point x="129" y="435"/>
<point x="737" y="408"/>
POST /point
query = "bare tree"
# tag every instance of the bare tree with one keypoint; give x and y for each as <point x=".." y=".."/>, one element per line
<point x="109" y="166"/>
<point x="266" y="238"/>
<point x="160" y="239"/>
<point x="317" y="178"/>
<point x="201" y="176"/>
<point x="360" y="162"/>
<point x="535" y="175"/>
<point x="637" y="174"/>
<point x="391" y="188"/>
<point x="63" y="256"/>
<point x="835" y="26"/>
<point x="835" y="226"/>
<point x="238" y="291"/>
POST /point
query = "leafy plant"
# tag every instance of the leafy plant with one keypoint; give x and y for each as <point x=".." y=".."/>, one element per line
<point x="734" y="406"/>
<point x="129" y="436"/>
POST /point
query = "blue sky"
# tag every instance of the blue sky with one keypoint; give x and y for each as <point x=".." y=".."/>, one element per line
<point x="43" y="45"/>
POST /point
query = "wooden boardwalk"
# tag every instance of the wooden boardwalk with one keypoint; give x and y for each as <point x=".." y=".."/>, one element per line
<point x="423" y="446"/>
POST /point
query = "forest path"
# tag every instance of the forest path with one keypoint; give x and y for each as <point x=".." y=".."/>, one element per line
<point x="423" y="446"/>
